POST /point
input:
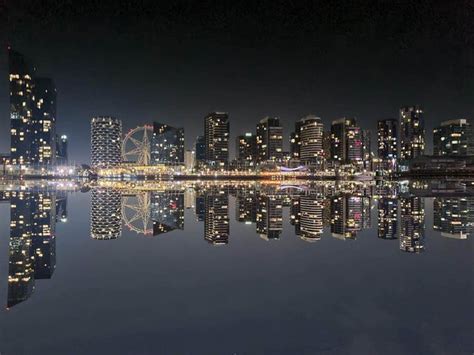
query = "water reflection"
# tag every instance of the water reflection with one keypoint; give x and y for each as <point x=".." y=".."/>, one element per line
<point x="313" y="211"/>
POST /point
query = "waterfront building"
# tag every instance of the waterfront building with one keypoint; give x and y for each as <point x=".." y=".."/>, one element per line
<point x="346" y="141"/>
<point x="216" y="136"/>
<point x="167" y="144"/>
<point x="200" y="148"/>
<point x="412" y="133"/>
<point x="310" y="217"/>
<point x="269" y="140"/>
<point x="387" y="143"/>
<point x="454" y="216"/>
<point x="454" y="137"/>
<point x="246" y="147"/>
<point x="310" y="137"/>
<point x="106" y="214"/>
<point x="43" y="128"/>
<point x="167" y="212"/>
<point x="21" y="108"/>
<point x="106" y="141"/>
<point x="61" y="149"/>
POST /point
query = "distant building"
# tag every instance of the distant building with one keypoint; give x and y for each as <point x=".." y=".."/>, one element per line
<point x="310" y="135"/>
<point x="454" y="137"/>
<point x="346" y="141"/>
<point x="43" y="137"/>
<point x="387" y="142"/>
<point x="21" y="107"/>
<point x="216" y="135"/>
<point x="106" y="141"/>
<point x="167" y="144"/>
<point x="61" y="149"/>
<point x="246" y="146"/>
<point x="269" y="139"/>
<point x="412" y="133"/>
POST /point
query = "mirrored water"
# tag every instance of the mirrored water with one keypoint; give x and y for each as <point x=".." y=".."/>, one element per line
<point x="254" y="268"/>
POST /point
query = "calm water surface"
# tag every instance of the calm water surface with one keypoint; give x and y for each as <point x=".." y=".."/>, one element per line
<point x="235" y="270"/>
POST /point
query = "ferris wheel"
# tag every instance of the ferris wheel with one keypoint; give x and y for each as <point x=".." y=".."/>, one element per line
<point x="136" y="145"/>
<point x="136" y="213"/>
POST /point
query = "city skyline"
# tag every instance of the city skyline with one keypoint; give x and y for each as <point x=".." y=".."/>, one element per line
<point x="286" y="73"/>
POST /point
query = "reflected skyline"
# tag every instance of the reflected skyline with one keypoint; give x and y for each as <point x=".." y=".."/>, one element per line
<point x="314" y="212"/>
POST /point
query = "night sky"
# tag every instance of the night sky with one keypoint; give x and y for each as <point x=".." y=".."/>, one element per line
<point x="174" y="62"/>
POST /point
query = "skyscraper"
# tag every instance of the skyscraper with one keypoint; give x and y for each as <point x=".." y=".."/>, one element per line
<point x="167" y="145"/>
<point x="216" y="135"/>
<point x="412" y="133"/>
<point x="167" y="211"/>
<point x="43" y="137"/>
<point x="61" y="149"/>
<point x="346" y="141"/>
<point x="454" y="216"/>
<point x="106" y="141"/>
<point x="387" y="142"/>
<point x="246" y="148"/>
<point x="21" y="107"/>
<point x="454" y="137"/>
<point x="269" y="140"/>
<point x="269" y="218"/>
<point x="200" y="148"/>
<point x="311" y="217"/>
<point x="412" y="224"/>
<point x="311" y="138"/>
<point x="387" y="218"/>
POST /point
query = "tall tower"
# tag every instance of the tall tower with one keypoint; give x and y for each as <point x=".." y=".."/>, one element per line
<point x="21" y="107"/>
<point x="269" y="139"/>
<point x="387" y="139"/>
<point x="346" y="141"/>
<point x="216" y="135"/>
<point x="216" y="220"/>
<point x="106" y="141"/>
<point x="246" y="148"/>
<point x="311" y="138"/>
<point x="167" y="145"/>
<point x="454" y="137"/>
<point x="412" y="132"/>
<point x="43" y="142"/>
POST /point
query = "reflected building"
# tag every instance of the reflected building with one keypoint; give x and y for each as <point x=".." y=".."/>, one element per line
<point x="454" y="216"/>
<point x="246" y="206"/>
<point x="167" y="212"/>
<point x="346" y="216"/>
<point x="387" y="218"/>
<point x="269" y="220"/>
<point x="32" y="253"/>
<point x="216" y="221"/>
<point x="106" y="214"/>
<point x="412" y="224"/>
<point x="311" y="217"/>
<point x="200" y="208"/>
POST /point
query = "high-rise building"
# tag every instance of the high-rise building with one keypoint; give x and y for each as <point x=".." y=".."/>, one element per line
<point x="216" y="135"/>
<point x="21" y="107"/>
<point x="346" y="141"/>
<point x="61" y="149"/>
<point x="106" y="216"/>
<point x="106" y="141"/>
<point x="269" y="140"/>
<point x="412" y="133"/>
<point x="454" y="137"/>
<point x="310" y="135"/>
<point x="43" y="137"/>
<point x="216" y="221"/>
<point x="246" y="146"/>
<point x="388" y="218"/>
<point x="311" y="217"/>
<point x="295" y="141"/>
<point x="387" y="142"/>
<point x="347" y="216"/>
<point x="200" y="148"/>
<point x="412" y="224"/>
<point x="246" y="206"/>
<point x="366" y="145"/>
<point x="167" y="145"/>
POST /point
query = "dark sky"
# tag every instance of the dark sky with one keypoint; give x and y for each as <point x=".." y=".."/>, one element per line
<point x="176" y="61"/>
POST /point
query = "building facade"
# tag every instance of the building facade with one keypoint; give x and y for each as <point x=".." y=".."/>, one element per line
<point x="310" y="136"/>
<point x="106" y="141"/>
<point x="216" y="136"/>
<point x="246" y="147"/>
<point x="412" y="133"/>
<point x="167" y="144"/>
<point x="454" y="137"/>
<point x="269" y="140"/>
